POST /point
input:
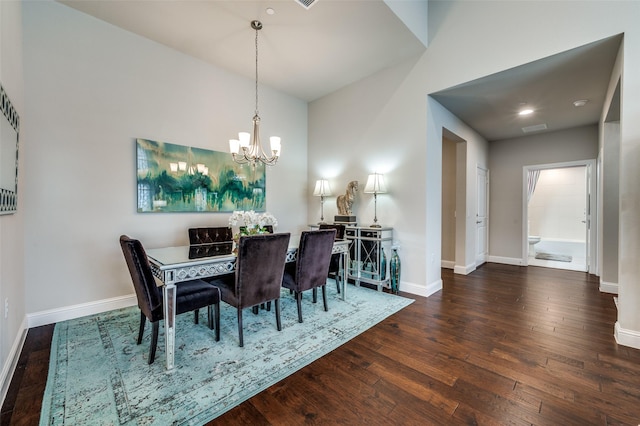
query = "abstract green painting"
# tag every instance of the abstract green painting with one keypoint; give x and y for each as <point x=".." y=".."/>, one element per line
<point x="176" y="178"/>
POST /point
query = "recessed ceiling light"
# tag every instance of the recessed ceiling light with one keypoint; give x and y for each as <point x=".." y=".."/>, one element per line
<point x="580" y="103"/>
<point x="526" y="111"/>
<point x="270" y="11"/>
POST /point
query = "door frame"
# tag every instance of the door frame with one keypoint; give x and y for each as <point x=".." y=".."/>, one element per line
<point x="591" y="214"/>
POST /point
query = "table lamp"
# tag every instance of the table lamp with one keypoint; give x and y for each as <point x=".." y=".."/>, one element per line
<point x="322" y="189"/>
<point x="375" y="185"/>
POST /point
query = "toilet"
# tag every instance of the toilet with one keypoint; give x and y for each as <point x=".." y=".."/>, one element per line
<point x="533" y="240"/>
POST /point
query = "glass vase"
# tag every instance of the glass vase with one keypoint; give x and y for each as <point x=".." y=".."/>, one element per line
<point x="394" y="270"/>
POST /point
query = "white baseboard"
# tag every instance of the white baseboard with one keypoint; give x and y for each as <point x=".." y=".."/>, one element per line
<point x="626" y="337"/>
<point x="10" y="364"/>
<point x="76" y="311"/>
<point x="606" y="287"/>
<point x="506" y="260"/>
<point x="448" y="264"/>
<point x="464" y="270"/>
<point x="420" y="290"/>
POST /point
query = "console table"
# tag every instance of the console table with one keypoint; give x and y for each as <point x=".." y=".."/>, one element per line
<point x="369" y="255"/>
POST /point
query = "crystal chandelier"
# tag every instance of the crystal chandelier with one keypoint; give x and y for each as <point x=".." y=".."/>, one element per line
<point x="252" y="151"/>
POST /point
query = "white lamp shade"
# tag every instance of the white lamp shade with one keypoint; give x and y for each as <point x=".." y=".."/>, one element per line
<point x="275" y="145"/>
<point x="182" y="166"/>
<point x="375" y="184"/>
<point x="173" y="167"/>
<point x="234" y="146"/>
<point x="244" y="139"/>
<point x="322" y="188"/>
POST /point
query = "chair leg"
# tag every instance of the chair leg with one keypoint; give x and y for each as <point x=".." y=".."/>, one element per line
<point x="278" y="322"/>
<point x="315" y="294"/>
<point x="240" y="327"/>
<point x="154" y="341"/>
<point x="143" y="320"/>
<point x="196" y="316"/>
<point x="254" y="309"/>
<point x="210" y="317"/>
<point x="324" y="297"/>
<point x="299" y="303"/>
<point x="337" y="280"/>
<point x="216" y="310"/>
<point x="269" y="306"/>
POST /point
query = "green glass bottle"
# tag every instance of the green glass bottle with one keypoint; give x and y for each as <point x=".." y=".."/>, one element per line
<point x="394" y="270"/>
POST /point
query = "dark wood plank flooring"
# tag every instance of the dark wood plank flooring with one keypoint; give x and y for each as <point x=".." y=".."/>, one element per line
<point x="503" y="345"/>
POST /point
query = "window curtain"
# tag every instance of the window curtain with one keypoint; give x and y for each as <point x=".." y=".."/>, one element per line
<point x="532" y="181"/>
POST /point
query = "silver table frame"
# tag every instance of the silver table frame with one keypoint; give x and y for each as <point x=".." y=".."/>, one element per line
<point x="171" y="265"/>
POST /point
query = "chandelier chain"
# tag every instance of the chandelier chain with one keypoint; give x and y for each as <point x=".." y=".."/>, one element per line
<point x="256" y="71"/>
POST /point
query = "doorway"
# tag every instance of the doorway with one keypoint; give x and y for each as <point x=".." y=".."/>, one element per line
<point x="558" y="231"/>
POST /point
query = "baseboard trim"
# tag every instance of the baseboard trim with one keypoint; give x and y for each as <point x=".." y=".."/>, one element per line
<point x="11" y="363"/>
<point x="506" y="260"/>
<point x="626" y="337"/>
<point x="76" y="311"/>
<point x="447" y="264"/>
<point x="464" y="270"/>
<point x="606" y="287"/>
<point x="419" y="290"/>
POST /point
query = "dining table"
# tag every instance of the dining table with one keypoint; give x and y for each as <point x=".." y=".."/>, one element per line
<point x="173" y="265"/>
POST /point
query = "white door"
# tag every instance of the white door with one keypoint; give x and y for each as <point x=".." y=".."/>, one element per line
<point x="482" y="217"/>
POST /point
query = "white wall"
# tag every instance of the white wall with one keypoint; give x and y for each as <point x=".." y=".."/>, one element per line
<point x="90" y="90"/>
<point x="557" y="207"/>
<point x="387" y="117"/>
<point x="12" y="280"/>
<point x="609" y="182"/>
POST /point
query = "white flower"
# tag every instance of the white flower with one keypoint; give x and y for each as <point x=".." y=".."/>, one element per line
<point x="267" y="218"/>
<point x="250" y="219"/>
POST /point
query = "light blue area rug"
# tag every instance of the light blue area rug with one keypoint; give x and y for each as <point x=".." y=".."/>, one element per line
<point x="98" y="375"/>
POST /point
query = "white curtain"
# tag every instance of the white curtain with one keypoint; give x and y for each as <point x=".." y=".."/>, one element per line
<point x="532" y="181"/>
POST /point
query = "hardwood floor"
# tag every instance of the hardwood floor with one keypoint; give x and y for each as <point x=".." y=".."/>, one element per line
<point x="503" y="345"/>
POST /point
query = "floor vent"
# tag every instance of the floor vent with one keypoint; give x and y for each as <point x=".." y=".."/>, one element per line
<point x="306" y="3"/>
<point x="534" y="128"/>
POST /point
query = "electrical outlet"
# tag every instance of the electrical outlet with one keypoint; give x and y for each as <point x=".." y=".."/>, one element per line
<point x="6" y="308"/>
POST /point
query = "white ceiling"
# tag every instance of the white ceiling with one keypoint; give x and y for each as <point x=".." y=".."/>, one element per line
<point x="309" y="53"/>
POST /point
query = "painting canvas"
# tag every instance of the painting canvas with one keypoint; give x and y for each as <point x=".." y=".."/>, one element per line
<point x="176" y="178"/>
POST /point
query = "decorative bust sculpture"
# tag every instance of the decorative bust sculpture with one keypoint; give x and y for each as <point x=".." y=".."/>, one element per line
<point x="345" y="201"/>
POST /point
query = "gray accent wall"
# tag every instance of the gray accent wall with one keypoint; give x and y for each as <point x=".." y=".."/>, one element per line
<point x="506" y="161"/>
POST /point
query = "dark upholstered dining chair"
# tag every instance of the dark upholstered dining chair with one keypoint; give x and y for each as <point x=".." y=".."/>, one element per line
<point x="334" y="266"/>
<point x="210" y="235"/>
<point x="311" y="266"/>
<point x="190" y="295"/>
<point x="258" y="275"/>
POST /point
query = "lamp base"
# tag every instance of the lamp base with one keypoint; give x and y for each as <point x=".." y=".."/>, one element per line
<point x="375" y="225"/>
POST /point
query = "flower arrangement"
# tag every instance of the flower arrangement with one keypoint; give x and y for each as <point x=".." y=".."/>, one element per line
<point x="250" y="222"/>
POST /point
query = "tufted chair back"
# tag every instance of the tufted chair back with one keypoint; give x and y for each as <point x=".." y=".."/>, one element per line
<point x="210" y="235"/>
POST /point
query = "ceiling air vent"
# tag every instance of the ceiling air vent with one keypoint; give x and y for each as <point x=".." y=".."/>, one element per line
<point x="306" y="3"/>
<point x="534" y="128"/>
